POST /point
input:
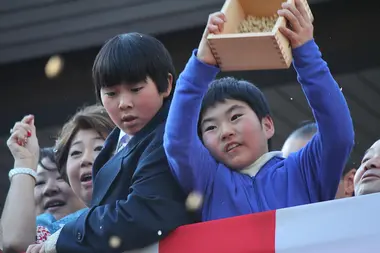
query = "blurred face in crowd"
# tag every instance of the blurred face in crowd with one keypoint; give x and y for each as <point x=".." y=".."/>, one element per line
<point x="52" y="194"/>
<point x="233" y="133"/>
<point x="294" y="144"/>
<point x="367" y="178"/>
<point x="85" y="147"/>
<point x="131" y="107"/>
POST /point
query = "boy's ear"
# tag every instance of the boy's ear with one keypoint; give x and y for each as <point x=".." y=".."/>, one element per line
<point x="268" y="126"/>
<point x="170" y="86"/>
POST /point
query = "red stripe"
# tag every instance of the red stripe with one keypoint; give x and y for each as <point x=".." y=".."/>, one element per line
<point x="248" y="233"/>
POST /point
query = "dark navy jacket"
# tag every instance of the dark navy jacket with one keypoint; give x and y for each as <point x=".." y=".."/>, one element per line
<point x="135" y="196"/>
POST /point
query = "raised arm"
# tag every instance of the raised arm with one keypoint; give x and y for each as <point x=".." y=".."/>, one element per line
<point x="324" y="158"/>
<point x="326" y="155"/>
<point x="190" y="161"/>
<point x="18" y="219"/>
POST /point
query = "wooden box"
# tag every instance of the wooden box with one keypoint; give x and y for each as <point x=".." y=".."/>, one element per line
<point x="254" y="50"/>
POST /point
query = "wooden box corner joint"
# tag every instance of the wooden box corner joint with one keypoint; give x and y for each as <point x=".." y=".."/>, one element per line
<point x="261" y="48"/>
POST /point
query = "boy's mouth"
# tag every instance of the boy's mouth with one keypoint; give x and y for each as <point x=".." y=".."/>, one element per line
<point x="128" y="119"/>
<point x="231" y="146"/>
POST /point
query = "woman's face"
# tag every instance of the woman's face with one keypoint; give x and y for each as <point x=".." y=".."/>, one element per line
<point x="84" y="148"/>
<point x="52" y="194"/>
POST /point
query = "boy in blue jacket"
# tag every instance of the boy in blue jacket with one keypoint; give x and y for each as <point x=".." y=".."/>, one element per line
<point x="218" y="146"/>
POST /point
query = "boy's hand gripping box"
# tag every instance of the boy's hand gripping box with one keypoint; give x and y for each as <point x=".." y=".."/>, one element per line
<point x="251" y="39"/>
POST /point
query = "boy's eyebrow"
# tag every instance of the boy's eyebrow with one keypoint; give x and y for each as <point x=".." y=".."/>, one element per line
<point x="233" y="107"/>
<point x="209" y="119"/>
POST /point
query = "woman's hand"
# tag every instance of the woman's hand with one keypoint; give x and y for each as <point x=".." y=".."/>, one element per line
<point x="23" y="143"/>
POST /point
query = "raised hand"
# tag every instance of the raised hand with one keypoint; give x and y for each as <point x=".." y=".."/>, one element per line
<point x="301" y="26"/>
<point x="214" y="25"/>
<point x="23" y="143"/>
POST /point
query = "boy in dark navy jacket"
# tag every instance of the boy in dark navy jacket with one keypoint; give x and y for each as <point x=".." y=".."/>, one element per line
<point x="136" y="200"/>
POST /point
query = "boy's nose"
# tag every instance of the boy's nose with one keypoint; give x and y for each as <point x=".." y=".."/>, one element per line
<point x="125" y="103"/>
<point x="227" y="132"/>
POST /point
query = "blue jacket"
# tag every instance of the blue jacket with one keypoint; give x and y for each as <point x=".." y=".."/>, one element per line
<point x="308" y="176"/>
<point x="135" y="196"/>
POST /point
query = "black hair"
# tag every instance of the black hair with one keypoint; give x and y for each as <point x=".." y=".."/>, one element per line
<point x="231" y="88"/>
<point x="130" y="58"/>
<point x="349" y="166"/>
<point x="47" y="153"/>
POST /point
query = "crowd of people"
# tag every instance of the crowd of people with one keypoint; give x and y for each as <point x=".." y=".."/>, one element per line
<point x="124" y="168"/>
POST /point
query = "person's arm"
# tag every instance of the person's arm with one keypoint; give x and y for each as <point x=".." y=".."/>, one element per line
<point x="190" y="161"/>
<point x="321" y="162"/>
<point x="19" y="215"/>
<point x="18" y="219"/>
<point x="324" y="158"/>
<point x="154" y="208"/>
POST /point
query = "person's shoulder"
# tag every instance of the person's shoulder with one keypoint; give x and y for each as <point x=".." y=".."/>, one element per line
<point x="160" y="128"/>
<point x="156" y="137"/>
<point x="151" y="142"/>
